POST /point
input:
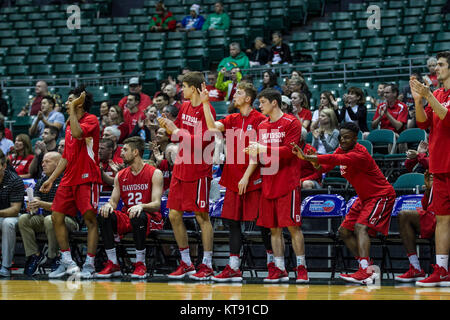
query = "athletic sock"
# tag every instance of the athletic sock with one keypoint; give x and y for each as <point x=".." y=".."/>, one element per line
<point x="140" y="256"/>
<point x="234" y="262"/>
<point x="270" y="257"/>
<point x="66" y="256"/>
<point x="279" y="263"/>
<point x="414" y="261"/>
<point x="364" y="262"/>
<point x="185" y="256"/>
<point x="442" y="261"/>
<point x="207" y="258"/>
<point x="111" y="253"/>
<point x="90" y="258"/>
<point x="301" y="261"/>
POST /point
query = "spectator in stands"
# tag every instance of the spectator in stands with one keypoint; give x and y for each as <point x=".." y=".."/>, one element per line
<point x="4" y="108"/>
<point x="407" y="98"/>
<point x="194" y="21"/>
<point x="104" y="111"/>
<point x="297" y="85"/>
<point x="113" y="134"/>
<point x="160" y="102"/>
<point x="218" y="20"/>
<point x="34" y="104"/>
<point x="229" y="86"/>
<point x="22" y="155"/>
<point x="417" y="160"/>
<point x="135" y="86"/>
<point x="295" y="74"/>
<point x="33" y="221"/>
<point x="47" y="116"/>
<point x="61" y="145"/>
<point x="41" y="147"/>
<point x="159" y="155"/>
<point x="163" y="20"/>
<point x="270" y="80"/>
<point x="301" y="109"/>
<point x="170" y="112"/>
<point x="286" y="105"/>
<point x="380" y="91"/>
<point x="107" y="163"/>
<point x="354" y="109"/>
<point x="279" y="52"/>
<point x="326" y="138"/>
<point x="8" y="133"/>
<point x="146" y="128"/>
<point x="327" y="101"/>
<point x="392" y="114"/>
<point x="116" y="120"/>
<point x="237" y="59"/>
<point x="259" y="55"/>
<point x="214" y="93"/>
<point x="310" y="178"/>
<point x="12" y="191"/>
<point x="431" y="79"/>
<point x="171" y="91"/>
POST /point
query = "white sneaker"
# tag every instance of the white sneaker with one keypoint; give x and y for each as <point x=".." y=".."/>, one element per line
<point x="5" y="272"/>
<point x="88" y="271"/>
<point x="63" y="269"/>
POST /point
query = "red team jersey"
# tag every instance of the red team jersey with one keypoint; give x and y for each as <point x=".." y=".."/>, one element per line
<point x="132" y="118"/>
<point x="234" y="168"/>
<point x="135" y="189"/>
<point x="399" y="111"/>
<point x="189" y="118"/>
<point x="359" y="168"/>
<point x="82" y="154"/>
<point x="277" y="136"/>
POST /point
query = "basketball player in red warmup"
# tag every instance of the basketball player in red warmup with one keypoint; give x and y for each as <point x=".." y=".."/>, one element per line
<point x="436" y="117"/>
<point x="79" y="187"/>
<point x="140" y="187"/>
<point x="371" y="212"/>
<point x="191" y="176"/>
<point x="241" y="178"/>
<point x="280" y="200"/>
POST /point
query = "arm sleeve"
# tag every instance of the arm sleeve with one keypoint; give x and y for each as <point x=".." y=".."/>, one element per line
<point x="349" y="159"/>
<point x="410" y="163"/>
<point x="423" y="160"/>
<point x="206" y="24"/>
<point x="219" y="82"/>
<point x="17" y="190"/>
<point x="331" y="143"/>
<point x="200" y="21"/>
<point x="89" y="126"/>
<point x="226" y="21"/>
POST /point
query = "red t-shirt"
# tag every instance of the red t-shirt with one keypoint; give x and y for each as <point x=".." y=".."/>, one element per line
<point x="215" y="94"/>
<point x="191" y="121"/>
<point x="131" y="119"/>
<point x="239" y="130"/>
<point x="109" y="172"/>
<point x="439" y="139"/>
<point x="277" y="136"/>
<point x="359" y="168"/>
<point x="305" y="114"/>
<point x="116" y="156"/>
<point x="399" y="111"/>
<point x="82" y="154"/>
<point x="308" y="171"/>
<point x="8" y="134"/>
<point x="21" y="164"/>
<point x="36" y="105"/>
<point x="135" y="189"/>
<point x="143" y="103"/>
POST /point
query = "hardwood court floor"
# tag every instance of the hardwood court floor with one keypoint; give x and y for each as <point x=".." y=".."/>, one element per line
<point x="160" y="289"/>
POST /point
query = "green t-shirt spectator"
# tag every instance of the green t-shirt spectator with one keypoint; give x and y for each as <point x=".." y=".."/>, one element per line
<point x="217" y="21"/>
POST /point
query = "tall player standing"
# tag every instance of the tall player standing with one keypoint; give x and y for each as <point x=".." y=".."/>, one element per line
<point x="191" y="176"/>
<point x="241" y="178"/>
<point x="79" y="187"/>
<point x="140" y="187"/>
<point x="280" y="200"/>
<point x="436" y="117"/>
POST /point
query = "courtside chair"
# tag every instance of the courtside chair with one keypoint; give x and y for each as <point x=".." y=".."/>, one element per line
<point x="367" y="144"/>
<point x="410" y="181"/>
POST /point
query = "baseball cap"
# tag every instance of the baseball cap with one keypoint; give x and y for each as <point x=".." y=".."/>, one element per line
<point x="134" y="80"/>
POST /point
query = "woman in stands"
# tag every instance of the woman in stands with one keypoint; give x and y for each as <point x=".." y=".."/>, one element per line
<point x="116" y="119"/>
<point x="22" y="156"/>
<point x="327" y="100"/>
<point x="104" y="112"/>
<point x="269" y="81"/>
<point x="146" y="128"/>
<point x="354" y="109"/>
<point x="301" y="108"/>
<point x="326" y="137"/>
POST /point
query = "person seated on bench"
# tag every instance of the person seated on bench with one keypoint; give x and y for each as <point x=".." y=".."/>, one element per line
<point x="39" y="219"/>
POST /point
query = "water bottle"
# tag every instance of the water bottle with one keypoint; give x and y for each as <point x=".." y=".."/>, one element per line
<point x="30" y="195"/>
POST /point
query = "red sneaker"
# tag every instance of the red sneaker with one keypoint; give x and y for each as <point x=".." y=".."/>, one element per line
<point x="110" y="270"/>
<point x="276" y="275"/>
<point x="438" y="278"/>
<point x="140" y="271"/>
<point x="362" y="276"/>
<point x="228" y="274"/>
<point x="270" y="266"/>
<point x="182" y="270"/>
<point x="302" y="275"/>
<point x="204" y="273"/>
<point x="411" y="275"/>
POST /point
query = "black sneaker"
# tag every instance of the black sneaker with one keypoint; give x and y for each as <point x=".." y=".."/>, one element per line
<point x="33" y="264"/>
<point x="54" y="263"/>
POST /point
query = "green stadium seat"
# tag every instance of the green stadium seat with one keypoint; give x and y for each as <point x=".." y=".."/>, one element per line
<point x="373" y="52"/>
<point x="18" y="51"/>
<point x="369" y="33"/>
<point x="155" y="65"/>
<point x="8" y="42"/>
<point x="50" y="41"/>
<point x="127" y="28"/>
<point x="345" y="34"/>
<point x="59" y="58"/>
<point x="344" y="25"/>
<point x="197" y="34"/>
<point x="173" y="54"/>
<point x="105" y="57"/>
<point x="351" y="53"/>
<point x="41" y="69"/>
<point x="221" y="108"/>
<point x="151" y="55"/>
<point x="431" y="10"/>
<point x="106" y="29"/>
<point x="41" y="49"/>
<point x="413" y="12"/>
<point x="133" y="66"/>
<point x="68" y="69"/>
<point x="16" y="70"/>
<point x="88" y="68"/>
<point x="322" y="35"/>
<point x="129" y="56"/>
<point x="108" y="47"/>
<point x="301" y="36"/>
<point x="420" y="49"/>
<point x="133" y="37"/>
<point x="85" y="48"/>
<point x="341" y="16"/>
<point x="442" y="37"/>
<point x="67" y="35"/>
<point x="390" y="31"/>
<point x="29" y="41"/>
<point x="354" y="43"/>
<point x="433" y="28"/>
<point x="36" y="59"/>
<point x="439" y="46"/>
<point x="63" y="48"/>
<point x="45" y="32"/>
<point x="112" y="38"/>
<point x="196" y="43"/>
<point x="14" y="60"/>
<point x="102" y="22"/>
<point x="409" y="181"/>
<point x="130" y="46"/>
<point x="110" y="67"/>
<point x="82" y="57"/>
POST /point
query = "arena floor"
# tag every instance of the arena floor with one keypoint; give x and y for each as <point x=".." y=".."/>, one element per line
<point x="20" y="287"/>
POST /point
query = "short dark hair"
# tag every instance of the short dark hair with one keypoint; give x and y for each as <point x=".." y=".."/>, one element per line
<point x="445" y="55"/>
<point x="358" y="91"/>
<point x="164" y="95"/>
<point x="394" y="87"/>
<point x="50" y="99"/>
<point x="172" y="110"/>
<point x="137" y="96"/>
<point x="109" y="143"/>
<point x="88" y="101"/>
<point x="194" y="78"/>
<point x="53" y="130"/>
<point x="136" y="143"/>
<point x="350" y="126"/>
<point x="271" y="94"/>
